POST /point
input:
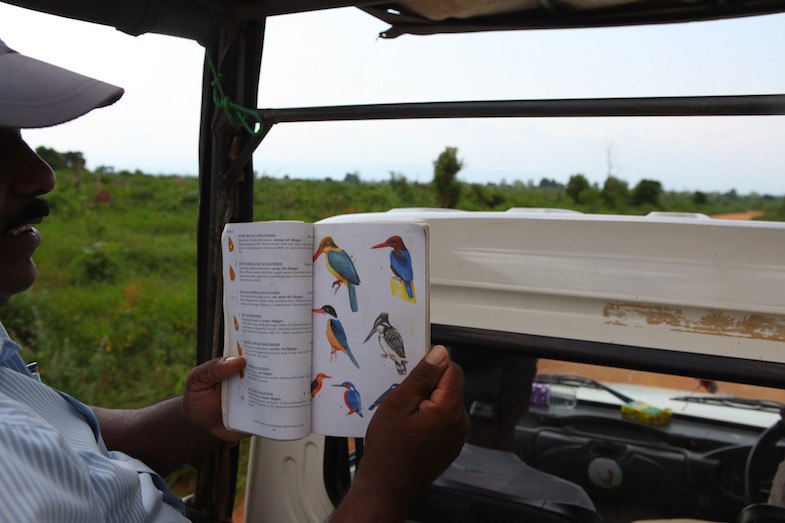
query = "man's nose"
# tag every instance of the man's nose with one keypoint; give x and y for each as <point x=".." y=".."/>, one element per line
<point x="34" y="177"/>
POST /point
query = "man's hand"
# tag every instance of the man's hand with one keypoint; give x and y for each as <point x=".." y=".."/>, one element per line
<point x="417" y="432"/>
<point x="202" y="396"/>
<point x="178" y="430"/>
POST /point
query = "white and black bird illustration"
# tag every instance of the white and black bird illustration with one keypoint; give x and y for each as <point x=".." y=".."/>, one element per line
<point x="390" y="341"/>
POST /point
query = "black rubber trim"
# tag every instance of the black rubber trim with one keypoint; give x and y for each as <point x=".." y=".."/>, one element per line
<point x="740" y="370"/>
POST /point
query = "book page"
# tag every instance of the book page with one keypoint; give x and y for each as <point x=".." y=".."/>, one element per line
<point x="371" y="324"/>
<point x="267" y="308"/>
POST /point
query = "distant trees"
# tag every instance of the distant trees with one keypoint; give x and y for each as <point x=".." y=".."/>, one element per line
<point x="546" y="183"/>
<point x="352" y="177"/>
<point x="75" y="160"/>
<point x="646" y="192"/>
<point x="582" y="192"/>
<point x="55" y="159"/>
<point x="401" y="187"/>
<point x="445" y="172"/>
<point x="576" y="185"/>
<point x="699" y="198"/>
<point x="69" y="160"/>
<point x="615" y="193"/>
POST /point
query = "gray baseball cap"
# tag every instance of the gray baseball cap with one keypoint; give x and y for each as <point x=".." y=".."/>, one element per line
<point x="37" y="94"/>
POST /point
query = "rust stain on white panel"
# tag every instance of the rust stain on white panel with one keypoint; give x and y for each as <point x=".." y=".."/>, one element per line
<point x="718" y="323"/>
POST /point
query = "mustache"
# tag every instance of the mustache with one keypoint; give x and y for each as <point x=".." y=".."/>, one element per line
<point x="36" y="208"/>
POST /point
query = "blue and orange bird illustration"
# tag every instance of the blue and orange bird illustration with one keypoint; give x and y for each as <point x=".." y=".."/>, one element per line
<point x="390" y="341"/>
<point x="316" y="384"/>
<point x="381" y="398"/>
<point x="352" y="398"/>
<point x="341" y="266"/>
<point x="336" y="334"/>
<point x="400" y="263"/>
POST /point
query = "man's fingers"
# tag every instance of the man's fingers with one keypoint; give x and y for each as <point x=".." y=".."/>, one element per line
<point x="448" y="394"/>
<point x="214" y="371"/>
<point x="422" y="380"/>
<point x="450" y="386"/>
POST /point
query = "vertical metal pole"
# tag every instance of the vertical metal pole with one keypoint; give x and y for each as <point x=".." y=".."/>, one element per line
<point x="236" y="55"/>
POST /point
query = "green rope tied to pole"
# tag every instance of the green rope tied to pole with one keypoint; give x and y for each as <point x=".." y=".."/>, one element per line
<point x="237" y="115"/>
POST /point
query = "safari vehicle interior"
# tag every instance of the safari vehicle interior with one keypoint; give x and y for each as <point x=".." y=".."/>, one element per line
<point x="681" y="312"/>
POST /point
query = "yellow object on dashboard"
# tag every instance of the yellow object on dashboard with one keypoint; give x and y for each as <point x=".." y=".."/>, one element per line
<point x="645" y="413"/>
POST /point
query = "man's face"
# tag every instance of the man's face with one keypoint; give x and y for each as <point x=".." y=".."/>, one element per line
<point x="23" y="177"/>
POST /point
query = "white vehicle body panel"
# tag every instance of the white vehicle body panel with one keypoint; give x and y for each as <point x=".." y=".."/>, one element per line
<point x="664" y="282"/>
<point x="285" y="481"/>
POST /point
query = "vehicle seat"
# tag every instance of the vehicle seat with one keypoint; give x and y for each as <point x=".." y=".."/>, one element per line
<point x="447" y="501"/>
<point x="761" y="513"/>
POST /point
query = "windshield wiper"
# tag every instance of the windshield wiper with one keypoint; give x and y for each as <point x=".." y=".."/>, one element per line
<point x="734" y="401"/>
<point x="576" y="380"/>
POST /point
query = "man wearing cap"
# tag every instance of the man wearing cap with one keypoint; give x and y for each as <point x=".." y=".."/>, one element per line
<point x="62" y="461"/>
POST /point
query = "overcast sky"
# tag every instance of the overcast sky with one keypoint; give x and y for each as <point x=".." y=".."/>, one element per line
<point x="335" y="57"/>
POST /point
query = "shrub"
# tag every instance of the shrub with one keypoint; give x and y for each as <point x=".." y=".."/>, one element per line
<point x="98" y="263"/>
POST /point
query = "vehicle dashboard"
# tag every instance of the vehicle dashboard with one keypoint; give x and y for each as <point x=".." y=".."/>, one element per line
<point x="689" y="467"/>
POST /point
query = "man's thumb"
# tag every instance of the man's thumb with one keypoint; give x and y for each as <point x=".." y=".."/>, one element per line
<point x="213" y="371"/>
<point x="423" y="378"/>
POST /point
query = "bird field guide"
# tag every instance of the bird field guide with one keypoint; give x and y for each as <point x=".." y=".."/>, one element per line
<point x="330" y="318"/>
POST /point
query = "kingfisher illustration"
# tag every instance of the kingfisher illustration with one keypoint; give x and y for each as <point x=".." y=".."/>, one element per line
<point x="381" y="398"/>
<point x="336" y="335"/>
<point x="352" y="398"/>
<point x="400" y="262"/>
<point x="390" y="341"/>
<point x="341" y="266"/>
<point x="316" y="384"/>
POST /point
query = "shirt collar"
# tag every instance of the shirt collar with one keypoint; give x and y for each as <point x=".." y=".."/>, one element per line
<point x="8" y="347"/>
<point x="9" y="354"/>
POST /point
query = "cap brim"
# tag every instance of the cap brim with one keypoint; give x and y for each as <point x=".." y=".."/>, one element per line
<point x="37" y="94"/>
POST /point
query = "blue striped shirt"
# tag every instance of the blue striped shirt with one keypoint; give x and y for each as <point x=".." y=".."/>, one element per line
<point x="54" y="466"/>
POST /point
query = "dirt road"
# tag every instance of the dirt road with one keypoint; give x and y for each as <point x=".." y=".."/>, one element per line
<point x="746" y="215"/>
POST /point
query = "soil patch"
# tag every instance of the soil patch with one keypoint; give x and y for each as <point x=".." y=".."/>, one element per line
<point x="746" y="215"/>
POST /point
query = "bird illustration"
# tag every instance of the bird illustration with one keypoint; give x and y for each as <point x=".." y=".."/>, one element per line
<point x="400" y="262"/>
<point x="352" y="398"/>
<point x="341" y="266"/>
<point x="316" y="384"/>
<point x="381" y="398"/>
<point x="390" y="341"/>
<point x="336" y="335"/>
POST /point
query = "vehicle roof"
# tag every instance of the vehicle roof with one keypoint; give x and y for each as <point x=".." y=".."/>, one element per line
<point x="665" y="281"/>
<point x="200" y="19"/>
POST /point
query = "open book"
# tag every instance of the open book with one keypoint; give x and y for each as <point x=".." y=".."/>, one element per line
<point x="330" y="317"/>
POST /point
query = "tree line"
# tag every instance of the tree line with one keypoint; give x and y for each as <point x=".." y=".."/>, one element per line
<point x="446" y="190"/>
<point x="615" y="195"/>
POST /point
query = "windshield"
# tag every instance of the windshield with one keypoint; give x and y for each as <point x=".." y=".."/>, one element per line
<point x="685" y="396"/>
